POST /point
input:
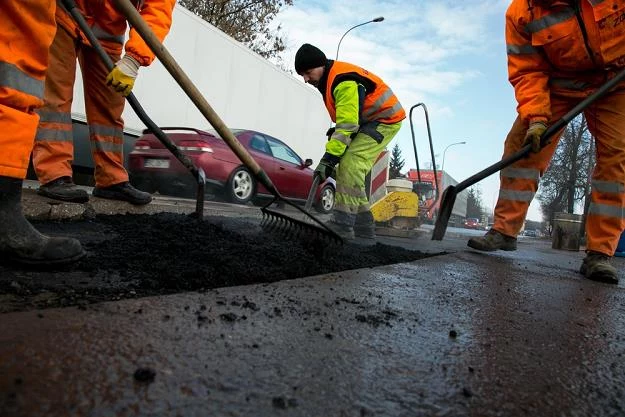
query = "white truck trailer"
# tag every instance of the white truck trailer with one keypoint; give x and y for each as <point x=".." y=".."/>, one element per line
<point x="245" y="90"/>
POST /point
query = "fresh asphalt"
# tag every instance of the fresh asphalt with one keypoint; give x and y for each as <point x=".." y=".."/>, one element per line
<point x="462" y="333"/>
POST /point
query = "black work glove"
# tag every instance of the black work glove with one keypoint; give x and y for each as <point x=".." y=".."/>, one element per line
<point x="326" y="166"/>
<point x="330" y="132"/>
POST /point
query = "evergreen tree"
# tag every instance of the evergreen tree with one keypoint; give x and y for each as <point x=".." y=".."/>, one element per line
<point x="397" y="163"/>
<point x="474" y="203"/>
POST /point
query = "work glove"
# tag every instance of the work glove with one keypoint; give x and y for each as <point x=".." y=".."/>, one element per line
<point x="533" y="135"/>
<point x="122" y="76"/>
<point x="330" y="132"/>
<point x="325" y="169"/>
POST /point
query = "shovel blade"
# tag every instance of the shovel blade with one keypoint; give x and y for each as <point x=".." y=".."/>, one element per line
<point x="444" y="213"/>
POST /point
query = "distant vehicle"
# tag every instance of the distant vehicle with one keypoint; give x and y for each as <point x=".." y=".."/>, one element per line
<point x="432" y="205"/>
<point x="472" y="223"/>
<point x="153" y="168"/>
<point x="530" y="233"/>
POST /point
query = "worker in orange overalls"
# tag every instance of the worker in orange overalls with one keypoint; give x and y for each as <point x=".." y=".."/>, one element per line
<point x="559" y="52"/>
<point x="367" y="115"/>
<point x="26" y="33"/>
<point x="54" y="151"/>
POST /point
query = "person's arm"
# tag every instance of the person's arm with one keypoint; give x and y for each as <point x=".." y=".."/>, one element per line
<point x="157" y="14"/>
<point x="528" y="70"/>
<point x="348" y="96"/>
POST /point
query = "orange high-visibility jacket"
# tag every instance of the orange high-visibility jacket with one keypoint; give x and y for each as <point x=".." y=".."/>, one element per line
<point x="568" y="48"/>
<point x="380" y="104"/>
<point x="109" y="25"/>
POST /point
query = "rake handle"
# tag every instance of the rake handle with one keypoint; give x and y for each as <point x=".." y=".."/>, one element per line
<point x="170" y="64"/>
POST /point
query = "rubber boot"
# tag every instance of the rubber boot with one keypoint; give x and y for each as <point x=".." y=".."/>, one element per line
<point x="365" y="225"/>
<point x="344" y="231"/>
<point x="596" y="266"/>
<point x="492" y="241"/>
<point x="20" y="241"/>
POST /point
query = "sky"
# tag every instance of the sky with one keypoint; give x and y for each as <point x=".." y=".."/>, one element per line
<point x="448" y="55"/>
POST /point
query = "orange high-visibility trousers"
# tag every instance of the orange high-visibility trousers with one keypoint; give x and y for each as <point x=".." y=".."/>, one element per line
<point x="519" y="183"/>
<point x="54" y="148"/>
<point x="26" y="32"/>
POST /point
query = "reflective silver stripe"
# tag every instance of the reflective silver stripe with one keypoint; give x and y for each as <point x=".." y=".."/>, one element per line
<point x="377" y="105"/>
<point x="606" y="210"/>
<point x="107" y="146"/>
<point x="341" y="137"/>
<point x="550" y="20"/>
<point x="101" y="130"/>
<point x="344" y="213"/>
<point x="105" y="36"/>
<point x="521" y="50"/>
<point x="514" y="195"/>
<point x="12" y="77"/>
<point x="47" y="116"/>
<point x="608" y="187"/>
<point x="53" y="135"/>
<point x="569" y="84"/>
<point x="524" y="173"/>
<point x="386" y="113"/>
<point x="350" y="191"/>
<point x="347" y="126"/>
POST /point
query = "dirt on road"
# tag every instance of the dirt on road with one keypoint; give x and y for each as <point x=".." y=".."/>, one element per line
<point x="137" y="255"/>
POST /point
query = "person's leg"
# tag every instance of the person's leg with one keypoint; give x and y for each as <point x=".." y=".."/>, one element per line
<point x="606" y="214"/>
<point x="25" y="36"/>
<point x="53" y="152"/>
<point x="104" y="108"/>
<point x="518" y="184"/>
<point x="351" y="202"/>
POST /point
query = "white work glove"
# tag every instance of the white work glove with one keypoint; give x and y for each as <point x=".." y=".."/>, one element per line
<point x="122" y="77"/>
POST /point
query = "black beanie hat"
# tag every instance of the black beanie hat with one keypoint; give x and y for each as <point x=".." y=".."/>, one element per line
<point x="308" y="57"/>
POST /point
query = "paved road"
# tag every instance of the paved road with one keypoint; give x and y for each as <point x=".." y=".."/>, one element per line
<point x="464" y="333"/>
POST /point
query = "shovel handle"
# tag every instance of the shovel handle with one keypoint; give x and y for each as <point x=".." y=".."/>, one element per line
<point x="168" y="61"/>
<point x="312" y="192"/>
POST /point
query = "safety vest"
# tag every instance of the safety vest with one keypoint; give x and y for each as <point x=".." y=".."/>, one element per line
<point x="380" y="104"/>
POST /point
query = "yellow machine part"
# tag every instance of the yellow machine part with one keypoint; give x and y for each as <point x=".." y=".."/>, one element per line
<point x="396" y="204"/>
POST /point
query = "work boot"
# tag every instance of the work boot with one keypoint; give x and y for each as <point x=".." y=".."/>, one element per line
<point x="63" y="189"/>
<point x="596" y="266"/>
<point x="124" y="192"/>
<point x="343" y="230"/>
<point x="20" y="241"/>
<point x="365" y="225"/>
<point x="492" y="241"/>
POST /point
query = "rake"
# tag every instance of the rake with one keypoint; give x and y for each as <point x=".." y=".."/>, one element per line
<point x="274" y="219"/>
<point x="198" y="173"/>
<point x="450" y="193"/>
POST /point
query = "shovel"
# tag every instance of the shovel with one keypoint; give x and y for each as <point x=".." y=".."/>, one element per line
<point x="276" y="218"/>
<point x="450" y="193"/>
<point x="312" y="192"/>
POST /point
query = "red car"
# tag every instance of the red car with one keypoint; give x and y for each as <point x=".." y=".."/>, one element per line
<point x="472" y="223"/>
<point x="153" y="168"/>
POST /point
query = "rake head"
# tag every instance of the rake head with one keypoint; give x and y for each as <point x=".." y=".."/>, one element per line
<point x="308" y="227"/>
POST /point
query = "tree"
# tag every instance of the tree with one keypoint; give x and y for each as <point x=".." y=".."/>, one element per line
<point x="247" y="21"/>
<point x="397" y="163"/>
<point x="565" y="184"/>
<point x="475" y="207"/>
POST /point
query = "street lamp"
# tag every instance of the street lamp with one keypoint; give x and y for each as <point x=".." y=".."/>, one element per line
<point x="376" y="20"/>
<point x="457" y="143"/>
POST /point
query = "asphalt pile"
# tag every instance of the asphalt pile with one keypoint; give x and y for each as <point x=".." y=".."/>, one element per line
<point x="137" y="255"/>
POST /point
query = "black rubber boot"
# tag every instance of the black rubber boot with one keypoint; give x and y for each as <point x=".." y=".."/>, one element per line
<point x="63" y="189"/>
<point x="21" y="242"/>
<point x="124" y="192"/>
<point x="365" y="225"/>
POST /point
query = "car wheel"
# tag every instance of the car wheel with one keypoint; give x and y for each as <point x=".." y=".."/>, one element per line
<point x="326" y="200"/>
<point x="241" y="186"/>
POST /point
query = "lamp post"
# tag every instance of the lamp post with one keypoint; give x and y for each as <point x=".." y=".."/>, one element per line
<point x="457" y="143"/>
<point x="376" y="20"/>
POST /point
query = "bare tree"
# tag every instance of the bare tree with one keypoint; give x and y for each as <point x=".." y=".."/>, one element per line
<point x="475" y="207"/>
<point x="247" y="21"/>
<point x="565" y="184"/>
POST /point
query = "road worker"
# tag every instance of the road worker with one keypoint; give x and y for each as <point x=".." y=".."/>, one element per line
<point x="559" y="52"/>
<point x="104" y="98"/>
<point x="25" y="35"/>
<point x="367" y="116"/>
